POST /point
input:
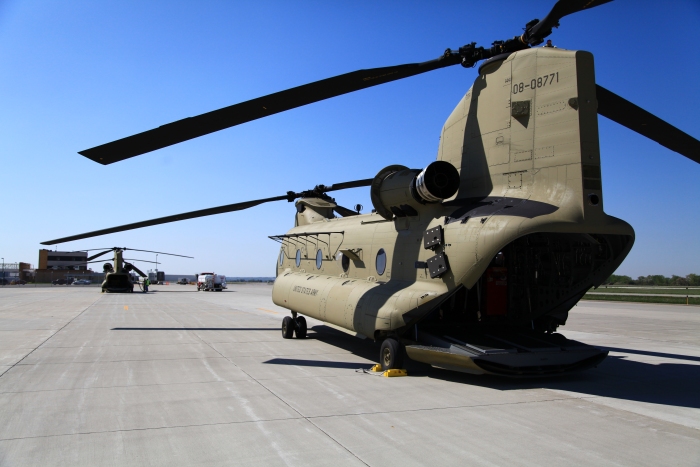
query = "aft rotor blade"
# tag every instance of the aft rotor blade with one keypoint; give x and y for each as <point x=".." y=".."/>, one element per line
<point x="560" y="9"/>
<point x="193" y="127"/>
<point x="635" y="118"/>
<point x="145" y="261"/>
<point x="167" y="219"/>
<point x="159" y="252"/>
<point x="98" y="255"/>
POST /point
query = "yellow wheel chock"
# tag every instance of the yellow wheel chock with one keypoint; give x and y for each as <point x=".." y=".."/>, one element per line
<point x="388" y="373"/>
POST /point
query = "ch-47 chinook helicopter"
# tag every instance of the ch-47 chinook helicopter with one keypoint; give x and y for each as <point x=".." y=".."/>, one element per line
<point x="118" y="273"/>
<point x="472" y="263"/>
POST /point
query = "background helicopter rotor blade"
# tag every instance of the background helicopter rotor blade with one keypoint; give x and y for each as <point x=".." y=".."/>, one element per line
<point x="635" y="118"/>
<point x="159" y="252"/>
<point x="138" y="271"/>
<point x="98" y="255"/>
<point x="290" y="196"/>
<point x="193" y="127"/>
<point x="536" y="34"/>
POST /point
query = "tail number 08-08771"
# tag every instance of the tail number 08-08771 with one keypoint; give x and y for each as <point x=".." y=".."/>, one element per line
<point x="540" y="82"/>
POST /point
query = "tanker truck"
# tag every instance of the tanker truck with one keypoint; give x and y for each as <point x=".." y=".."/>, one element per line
<point x="209" y="281"/>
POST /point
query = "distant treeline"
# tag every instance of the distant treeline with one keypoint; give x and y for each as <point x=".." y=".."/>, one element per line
<point x="250" y="279"/>
<point x="690" y="279"/>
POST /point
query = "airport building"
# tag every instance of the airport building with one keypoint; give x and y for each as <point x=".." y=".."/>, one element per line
<point x="71" y="260"/>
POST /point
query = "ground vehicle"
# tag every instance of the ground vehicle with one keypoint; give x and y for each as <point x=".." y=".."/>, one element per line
<point x="68" y="281"/>
<point x="9" y="281"/>
<point x="210" y="281"/>
<point x="183" y="281"/>
<point x="82" y="282"/>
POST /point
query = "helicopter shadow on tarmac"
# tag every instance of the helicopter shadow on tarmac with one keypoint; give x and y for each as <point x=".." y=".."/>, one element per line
<point x="617" y="377"/>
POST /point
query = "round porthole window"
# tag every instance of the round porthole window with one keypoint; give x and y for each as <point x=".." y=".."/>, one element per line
<point x="344" y="261"/>
<point x="281" y="256"/>
<point x="381" y="261"/>
<point x="319" y="259"/>
<point x="298" y="257"/>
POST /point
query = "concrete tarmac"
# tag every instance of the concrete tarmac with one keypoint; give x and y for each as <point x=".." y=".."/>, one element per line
<point x="179" y="377"/>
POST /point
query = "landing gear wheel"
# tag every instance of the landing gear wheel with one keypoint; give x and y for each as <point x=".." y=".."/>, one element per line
<point x="300" y="330"/>
<point x="287" y="327"/>
<point x="391" y="354"/>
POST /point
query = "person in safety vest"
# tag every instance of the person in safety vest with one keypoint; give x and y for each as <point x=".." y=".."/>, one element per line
<point x="146" y="283"/>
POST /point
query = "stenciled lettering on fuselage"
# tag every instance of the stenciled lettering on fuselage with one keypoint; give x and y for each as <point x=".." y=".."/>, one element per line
<point x="540" y="82"/>
<point x="305" y="290"/>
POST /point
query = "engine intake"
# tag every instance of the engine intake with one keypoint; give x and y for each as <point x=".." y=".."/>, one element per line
<point x="398" y="191"/>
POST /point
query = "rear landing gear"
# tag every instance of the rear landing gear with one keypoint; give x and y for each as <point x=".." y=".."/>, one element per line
<point x="294" y="325"/>
<point x="391" y="354"/>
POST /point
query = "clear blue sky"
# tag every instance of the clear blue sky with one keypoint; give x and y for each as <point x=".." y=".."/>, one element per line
<point x="76" y="74"/>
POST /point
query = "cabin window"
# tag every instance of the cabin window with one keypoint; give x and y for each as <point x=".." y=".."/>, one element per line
<point x="381" y="261"/>
<point x="281" y="256"/>
<point x="319" y="259"/>
<point x="298" y="257"/>
<point x="344" y="261"/>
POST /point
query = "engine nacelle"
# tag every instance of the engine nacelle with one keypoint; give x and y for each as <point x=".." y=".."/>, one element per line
<point x="398" y="191"/>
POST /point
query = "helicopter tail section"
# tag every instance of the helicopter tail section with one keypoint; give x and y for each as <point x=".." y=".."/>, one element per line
<point x="528" y="129"/>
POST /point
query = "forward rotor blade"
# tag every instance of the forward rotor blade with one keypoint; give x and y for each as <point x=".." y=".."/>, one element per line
<point x="559" y="10"/>
<point x="290" y="196"/>
<point x="346" y="185"/>
<point x="193" y="127"/>
<point x="159" y="252"/>
<point x="98" y="255"/>
<point x="345" y="212"/>
<point x="635" y="118"/>
<point x="167" y="219"/>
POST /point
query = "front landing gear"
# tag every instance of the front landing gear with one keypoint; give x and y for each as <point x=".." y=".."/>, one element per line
<point x="391" y="354"/>
<point x="294" y="325"/>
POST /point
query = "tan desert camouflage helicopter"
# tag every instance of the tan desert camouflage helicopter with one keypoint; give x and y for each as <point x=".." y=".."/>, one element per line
<point x="472" y="263"/>
<point x="117" y="273"/>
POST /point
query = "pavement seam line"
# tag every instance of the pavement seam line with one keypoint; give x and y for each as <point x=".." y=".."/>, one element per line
<point x="149" y="428"/>
<point x="48" y="338"/>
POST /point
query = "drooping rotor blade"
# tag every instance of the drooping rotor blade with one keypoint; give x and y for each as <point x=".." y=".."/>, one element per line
<point x="98" y="255"/>
<point x="138" y="271"/>
<point x="542" y="29"/>
<point x="159" y="252"/>
<point x="146" y="261"/>
<point x="290" y="196"/>
<point x="635" y="118"/>
<point x="167" y="219"/>
<point x="193" y="127"/>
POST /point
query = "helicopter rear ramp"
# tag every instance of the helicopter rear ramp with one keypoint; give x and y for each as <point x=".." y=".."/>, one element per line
<point x="506" y="353"/>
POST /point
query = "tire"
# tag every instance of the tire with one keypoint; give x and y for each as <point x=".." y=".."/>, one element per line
<point x="287" y="327"/>
<point x="300" y="330"/>
<point x="391" y="354"/>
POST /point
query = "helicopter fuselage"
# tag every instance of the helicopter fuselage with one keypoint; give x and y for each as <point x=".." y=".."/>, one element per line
<point x="519" y="244"/>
